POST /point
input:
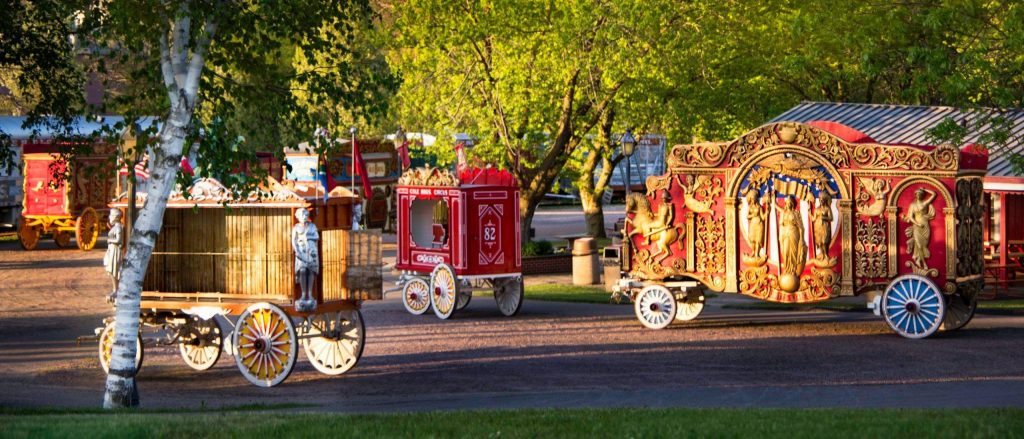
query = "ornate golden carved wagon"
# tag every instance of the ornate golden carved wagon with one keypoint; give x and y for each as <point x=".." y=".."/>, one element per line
<point x="794" y="213"/>
<point x="217" y="258"/>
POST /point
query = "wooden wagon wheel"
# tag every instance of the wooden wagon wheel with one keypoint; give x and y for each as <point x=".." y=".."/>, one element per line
<point x="87" y="229"/>
<point x="266" y="344"/>
<point x="444" y="291"/>
<point x="28" y="235"/>
<point x="334" y="341"/>
<point x="508" y="293"/>
<point x="201" y="344"/>
<point x="690" y="307"/>
<point x="62" y="238"/>
<point x="655" y="307"/>
<point x="416" y="296"/>
<point x="913" y="306"/>
<point x="960" y="309"/>
<point x="106" y="348"/>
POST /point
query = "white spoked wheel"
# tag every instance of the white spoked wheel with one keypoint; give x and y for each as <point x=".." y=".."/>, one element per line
<point x="266" y="344"/>
<point x="960" y="310"/>
<point x="913" y="306"/>
<point x="106" y="348"/>
<point x="655" y="307"/>
<point x="444" y="291"/>
<point x="466" y="295"/>
<point x="416" y="296"/>
<point x="201" y="343"/>
<point x="508" y="293"/>
<point x="334" y="341"/>
<point x="691" y="307"/>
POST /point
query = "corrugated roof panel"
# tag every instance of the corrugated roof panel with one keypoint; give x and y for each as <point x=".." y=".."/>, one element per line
<point x="907" y="124"/>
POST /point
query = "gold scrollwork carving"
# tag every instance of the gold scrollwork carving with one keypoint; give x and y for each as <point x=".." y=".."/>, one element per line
<point x="942" y="158"/>
<point x="871" y="249"/>
<point x="428" y="176"/>
<point x="712" y="155"/>
<point x="871" y="196"/>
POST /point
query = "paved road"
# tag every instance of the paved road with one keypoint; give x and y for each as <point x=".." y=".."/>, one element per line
<point x="551" y="355"/>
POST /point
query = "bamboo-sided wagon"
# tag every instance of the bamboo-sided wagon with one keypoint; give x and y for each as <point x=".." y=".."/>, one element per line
<point x="218" y="258"/>
<point x="63" y="208"/>
<point x="800" y="213"/>
<point x="457" y="236"/>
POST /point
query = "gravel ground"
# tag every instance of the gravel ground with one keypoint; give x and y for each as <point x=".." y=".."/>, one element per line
<point x="551" y="355"/>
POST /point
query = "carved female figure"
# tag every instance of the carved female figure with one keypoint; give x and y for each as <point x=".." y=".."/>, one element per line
<point x="919" y="233"/>
<point x="822" y="221"/>
<point x="112" y="258"/>
<point x="307" y="259"/>
<point x="792" y="246"/>
<point x="756" y="218"/>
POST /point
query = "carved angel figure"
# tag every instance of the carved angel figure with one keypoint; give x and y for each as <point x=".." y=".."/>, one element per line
<point x="919" y="232"/>
<point x="757" y="216"/>
<point x="792" y="247"/>
<point x="822" y="223"/>
<point x="307" y="259"/>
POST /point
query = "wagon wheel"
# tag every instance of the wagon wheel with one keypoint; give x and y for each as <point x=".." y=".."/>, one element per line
<point x="913" y="306"/>
<point x="201" y="344"/>
<point x="960" y="309"/>
<point x="28" y="235"/>
<point x="444" y="290"/>
<point x="87" y="229"/>
<point x="266" y="344"/>
<point x="690" y="307"/>
<point x="62" y="238"/>
<point x="106" y="348"/>
<point x="334" y="341"/>
<point x="416" y="296"/>
<point x="466" y="295"/>
<point x="508" y="293"/>
<point x="655" y="307"/>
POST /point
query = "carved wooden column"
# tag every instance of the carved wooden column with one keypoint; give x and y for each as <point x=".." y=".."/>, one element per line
<point x="691" y="232"/>
<point x="846" y="212"/>
<point x="890" y="218"/>
<point x="731" y="249"/>
<point x="950" y="212"/>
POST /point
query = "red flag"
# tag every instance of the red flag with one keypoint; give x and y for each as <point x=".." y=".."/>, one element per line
<point x="360" y="165"/>
<point x="403" y="152"/>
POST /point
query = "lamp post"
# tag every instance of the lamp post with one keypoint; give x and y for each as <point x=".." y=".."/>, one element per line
<point x="628" y="143"/>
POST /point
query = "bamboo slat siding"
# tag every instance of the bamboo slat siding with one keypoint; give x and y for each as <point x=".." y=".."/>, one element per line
<point x="228" y="251"/>
<point x="351" y="265"/>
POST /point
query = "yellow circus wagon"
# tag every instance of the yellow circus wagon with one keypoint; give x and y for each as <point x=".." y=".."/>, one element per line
<point x="799" y="213"/>
<point x="257" y="278"/>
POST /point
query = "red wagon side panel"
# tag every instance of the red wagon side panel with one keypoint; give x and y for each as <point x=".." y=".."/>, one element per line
<point x="42" y="197"/>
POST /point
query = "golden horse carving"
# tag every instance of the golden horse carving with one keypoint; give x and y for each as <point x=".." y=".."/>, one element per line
<point x="659" y="228"/>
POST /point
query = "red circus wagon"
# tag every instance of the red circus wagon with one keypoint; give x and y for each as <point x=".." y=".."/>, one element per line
<point x="799" y="213"/>
<point x="222" y="276"/>
<point x="457" y="236"/>
<point x="73" y="207"/>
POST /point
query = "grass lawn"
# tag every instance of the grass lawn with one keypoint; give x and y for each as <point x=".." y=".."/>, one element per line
<point x="569" y="293"/>
<point x="563" y="293"/>
<point x="587" y="423"/>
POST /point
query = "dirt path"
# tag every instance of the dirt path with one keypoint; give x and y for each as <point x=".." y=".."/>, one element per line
<point x="557" y="355"/>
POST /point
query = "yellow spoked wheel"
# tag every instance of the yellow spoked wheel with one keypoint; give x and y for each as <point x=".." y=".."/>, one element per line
<point x="201" y="343"/>
<point x="87" y="229"/>
<point x="444" y="291"/>
<point x="106" y="348"/>
<point x="334" y="341"/>
<point x="416" y="296"/>
<point x="62" y="238"/>
<point x="266" y="345"/>
<point x="28" y="235"/>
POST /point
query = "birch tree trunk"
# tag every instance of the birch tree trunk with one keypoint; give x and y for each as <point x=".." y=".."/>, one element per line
<point x="181" y="73"/>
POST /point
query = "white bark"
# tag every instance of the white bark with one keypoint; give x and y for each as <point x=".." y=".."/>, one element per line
<point x="182" y="89"/>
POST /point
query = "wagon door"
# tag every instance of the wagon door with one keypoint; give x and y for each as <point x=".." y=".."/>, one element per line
<point x="41" y="198"/>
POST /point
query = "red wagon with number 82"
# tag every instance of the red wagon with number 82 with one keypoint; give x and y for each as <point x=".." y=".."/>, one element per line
<point x="458" y="235"/>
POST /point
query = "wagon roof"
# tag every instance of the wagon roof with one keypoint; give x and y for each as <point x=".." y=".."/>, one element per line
<point x="210" y="193"/>
<point x="470" y="177"/>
